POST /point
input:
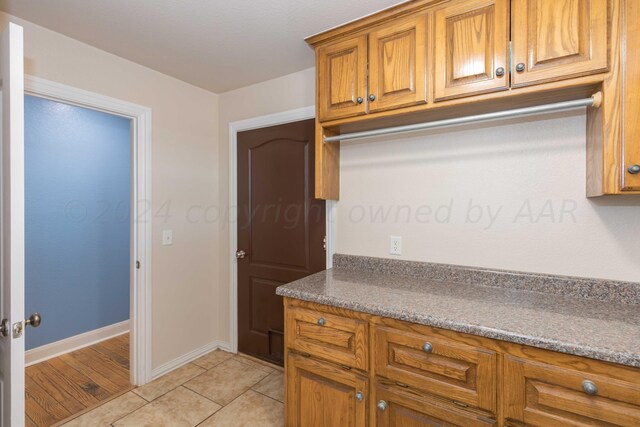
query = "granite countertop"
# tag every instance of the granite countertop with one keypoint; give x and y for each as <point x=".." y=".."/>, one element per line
<point x="605" y="330"/>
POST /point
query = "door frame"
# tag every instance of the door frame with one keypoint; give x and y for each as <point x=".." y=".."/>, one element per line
<point x="141" y="212"/>
<point x="275" y="119"/>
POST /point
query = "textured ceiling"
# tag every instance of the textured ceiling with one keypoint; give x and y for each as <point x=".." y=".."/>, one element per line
<point x="217" y="45"/>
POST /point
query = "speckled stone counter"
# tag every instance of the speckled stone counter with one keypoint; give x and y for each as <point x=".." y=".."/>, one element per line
<point x="586" y="321"/>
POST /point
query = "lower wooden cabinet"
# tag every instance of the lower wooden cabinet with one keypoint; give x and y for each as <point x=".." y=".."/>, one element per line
<point x="413" y="375"/>
<point x="320" y="394"/>
<point x="397" y="409"/>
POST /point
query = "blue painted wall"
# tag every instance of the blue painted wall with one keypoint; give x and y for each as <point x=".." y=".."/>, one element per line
<point x="77" y="203"/>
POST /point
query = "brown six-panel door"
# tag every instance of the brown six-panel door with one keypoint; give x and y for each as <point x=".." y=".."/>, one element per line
<point x="281" y="228"/>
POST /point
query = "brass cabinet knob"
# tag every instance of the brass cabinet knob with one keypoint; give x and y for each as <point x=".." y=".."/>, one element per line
<point x="634" y="169"/>
<point x="500" y="71"/>
<point x="589" y="387"/>
<point x="382" y="405"/>
<point x="520" y="67"/>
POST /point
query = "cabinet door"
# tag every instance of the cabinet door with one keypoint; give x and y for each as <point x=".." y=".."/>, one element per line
<point x="471" y="48"/>
<point x="398" y="64"/>
<point x="558" y="39"/>
<point x="631" y="106"/>
<point x="397" y="409"/>
<point x="321" y="395"/>
<point x="342" y="78"/>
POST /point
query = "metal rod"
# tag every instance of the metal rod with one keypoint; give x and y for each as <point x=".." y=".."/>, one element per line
<point x="559" y="106"/>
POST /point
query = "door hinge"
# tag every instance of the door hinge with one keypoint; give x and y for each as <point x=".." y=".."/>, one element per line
<point x="137" y="265"/>
<point x="324" y="243"/>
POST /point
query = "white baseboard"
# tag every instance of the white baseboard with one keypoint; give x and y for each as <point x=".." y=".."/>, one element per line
<point x="189" y="357"/>
<point x="67" y="345"/>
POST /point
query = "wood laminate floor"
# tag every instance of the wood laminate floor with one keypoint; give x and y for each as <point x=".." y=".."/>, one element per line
<point x="76" y="382"/>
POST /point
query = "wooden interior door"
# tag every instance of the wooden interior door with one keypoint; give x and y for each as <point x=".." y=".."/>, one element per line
<point x="321" y="395"/>
<point x="281" y="228"/>
<point x="12" y="402"/>
<point x="398" y="64"/>
<point x="342" y="73"/>
<point x="471" y="48"/>
<point x="558" y="39"/>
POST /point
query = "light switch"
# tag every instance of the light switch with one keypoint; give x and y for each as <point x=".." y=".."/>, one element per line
<point x="167" y="237"/>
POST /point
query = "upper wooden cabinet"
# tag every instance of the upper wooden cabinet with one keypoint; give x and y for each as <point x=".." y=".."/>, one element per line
<point x="558" y="39"/>
<point x="631" y="106"/>
<point x="398" y="64"/>
<point x="384" y="69"/>
<point x="342" y="78"/>
<point x="430" y="60"/>
<point x="471" y="50"/>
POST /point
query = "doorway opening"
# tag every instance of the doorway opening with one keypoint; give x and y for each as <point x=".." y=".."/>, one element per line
<point x="77" y="256"/>
<point x="133" y="348"/>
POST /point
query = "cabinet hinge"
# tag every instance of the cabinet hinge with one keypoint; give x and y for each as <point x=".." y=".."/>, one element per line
<point x="324" y="243"/>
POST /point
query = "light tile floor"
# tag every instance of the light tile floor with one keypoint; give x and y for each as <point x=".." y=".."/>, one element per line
<point x="218" y="389"/>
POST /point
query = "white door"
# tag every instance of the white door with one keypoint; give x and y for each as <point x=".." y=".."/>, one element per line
<point x="12" y="292"/>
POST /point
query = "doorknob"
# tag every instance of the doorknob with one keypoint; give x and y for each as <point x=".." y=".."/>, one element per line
<point x="34" y="320"/>
<point x="240" y="254"/>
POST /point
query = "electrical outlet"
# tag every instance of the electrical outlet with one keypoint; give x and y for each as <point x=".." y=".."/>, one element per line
<point x="167" y="237"/>
<point x="396" y="245"/>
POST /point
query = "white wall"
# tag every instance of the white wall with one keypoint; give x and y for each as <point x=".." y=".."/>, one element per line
<point x="185" y="160"/>
<point x="507" y="195"/>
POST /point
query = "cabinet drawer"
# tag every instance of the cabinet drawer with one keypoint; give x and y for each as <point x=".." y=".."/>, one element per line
<point x="396" y="409"/>
<point x="437" y="365"/>
<point x="339" y="339"/>
<point x="540" y="394"/>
